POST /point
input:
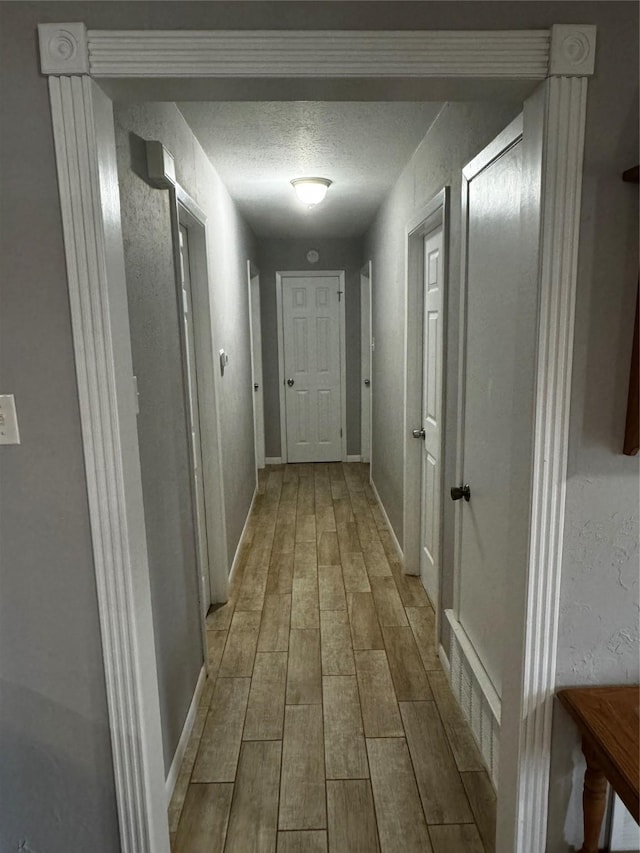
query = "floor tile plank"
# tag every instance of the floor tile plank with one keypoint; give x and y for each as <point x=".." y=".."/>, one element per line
<point x="305" y="606"/>
<point x="459" y="734"/>
<point x="455" y="838"/>
<point x="389" y="607"/>
<point x="306" y="528"/>
<point x="240" y="649"/>
<point x="265" y="709"/>
<point x="401" y="824"/>
<point x="254" y="813"/>
<point x="220" y="744"/>
<point x="423" y="625"/>
<point x="380" y="713"/>
<point x="280" y="576"/>
<point x="351" y="817"/>
<point x="274" y="628"/>
<point x="335" y="643"/>
<point x="219" y="617"/>
<point x="304" y="676"/>
<point x="331" y="588"/>
<point x="410" y="587"/>
<point x="365" y="630"/>
<point x="441" y="790"/>
<point x="482" y="798"/>
<point x="354" y="573"/>
<point x="408" y="674"/>
<point x="309" y="841"/>
<point x="302" y="785"/>
<point x="345" y="750"/>
<point x="328" y="551"/>
<point x="305" y="560"/>
<point x="204" y="819"/>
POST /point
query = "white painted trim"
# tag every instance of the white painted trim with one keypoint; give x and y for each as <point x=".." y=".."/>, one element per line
<point x="476" y="695"/>
<point x="280" y="275"/>
<point x="355" y="458"/>
<point x="366" y="354"/>
<point x="185" y="211"/>
<point x="434" y="214"/>
<point x="394" y="538"/>
<point x="573" y="50"/>
<point x="273" y="460"/>
<point x="84" y="140"/>
<point x="236" y="556"/>
<point x="174" y="770"/>
<point x="444" y="660"/>
<point x="521" y="54"/>
<point x="85" y="155"/>
<point x="255" y="339"/>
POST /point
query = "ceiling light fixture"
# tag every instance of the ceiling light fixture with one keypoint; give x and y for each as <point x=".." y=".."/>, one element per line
<point x="311" y="191"/>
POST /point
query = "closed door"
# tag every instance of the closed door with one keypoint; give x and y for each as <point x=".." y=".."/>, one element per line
<point x="194" y="420"/>
<point x="499" y="363"/>
<point x="432" y="358"/>
<point x="312" y="366"/>
<point x="256" y="367"/>
<point x="365" y="364"/>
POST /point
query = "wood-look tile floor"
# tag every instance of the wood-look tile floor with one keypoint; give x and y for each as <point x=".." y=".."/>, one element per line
<point x="327" y="723"/>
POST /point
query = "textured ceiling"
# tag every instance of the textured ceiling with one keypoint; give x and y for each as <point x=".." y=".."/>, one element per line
<point x="258" y="147"/>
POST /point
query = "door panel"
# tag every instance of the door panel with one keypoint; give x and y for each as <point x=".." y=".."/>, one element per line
<point x="432" y="358"/>
<point x="365" y="365"/>
<point x="493" y="395"/>
<point x="312" y="362"/>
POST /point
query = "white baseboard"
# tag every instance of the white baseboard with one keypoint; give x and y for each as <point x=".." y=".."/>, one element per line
<point x="444" y="660"/>
<point x="273" y="460"/>
<point x="475" y="694"/>
<point x="174" y="770"/>
<point x="236" y="556"/>
<point x="356" y="458"/>
<point x="386" y="518"/>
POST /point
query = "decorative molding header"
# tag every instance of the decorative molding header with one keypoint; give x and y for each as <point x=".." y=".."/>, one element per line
<point x="63" y="49"/>
<point x="573" y="50"/>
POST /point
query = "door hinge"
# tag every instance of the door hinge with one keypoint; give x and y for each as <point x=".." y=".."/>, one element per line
<point x="136" y="394"/>
<point x="340" y="432"/>
<point x="340" y="292"/>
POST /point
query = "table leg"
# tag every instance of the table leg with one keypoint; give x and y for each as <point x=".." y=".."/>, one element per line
<point x="594" y="800"/>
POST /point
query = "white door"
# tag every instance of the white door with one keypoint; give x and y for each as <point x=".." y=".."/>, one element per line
<point x="311" y="314"/>
<point x="365" y="364"/>
<point x="256" y="365"/>
<point x="432" y="359"/>
<point x="194" y="421"/>
<point x="499" y="358"/>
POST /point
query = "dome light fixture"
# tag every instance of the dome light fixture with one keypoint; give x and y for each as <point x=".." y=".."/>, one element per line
<point x="311" y="191"/>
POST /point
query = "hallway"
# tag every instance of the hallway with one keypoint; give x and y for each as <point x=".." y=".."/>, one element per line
<point x="327" y="722"/>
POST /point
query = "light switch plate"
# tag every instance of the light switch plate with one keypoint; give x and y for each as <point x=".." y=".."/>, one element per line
<point x="9" y="432"/>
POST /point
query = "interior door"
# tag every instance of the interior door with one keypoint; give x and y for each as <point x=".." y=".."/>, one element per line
<point x="256" y="366"/>
<point x="194" y="421"/>
<point x="365" y="364"/>
<point x="432" y="368"/>
<point x="499" y="359"/>
<point x="312" y="366"/>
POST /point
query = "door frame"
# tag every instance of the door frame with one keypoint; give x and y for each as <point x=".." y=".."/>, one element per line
<point x="366" y="296"/>
<point x="185" y="211"/>
<point x="561" y="59"/>
<point x="280" y="276"/>
<point x="435" y="214"/>
<point x="255" y="339"/>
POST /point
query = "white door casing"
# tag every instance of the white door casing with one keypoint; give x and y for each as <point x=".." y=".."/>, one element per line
<point x="82" y="115"/>
<point x="311" y="344"/>
<point x="366" y="390"/>
<point x="255" y="330"/>
<point x="432" y="408"/>
<point x="193" y="410"/>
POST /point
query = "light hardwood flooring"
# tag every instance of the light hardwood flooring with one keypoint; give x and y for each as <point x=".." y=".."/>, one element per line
<point x="327" y="723"/>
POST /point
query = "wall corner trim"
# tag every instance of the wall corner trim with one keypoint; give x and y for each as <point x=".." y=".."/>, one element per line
<point x="64" y="48"/>
<point x="573" y="50"/>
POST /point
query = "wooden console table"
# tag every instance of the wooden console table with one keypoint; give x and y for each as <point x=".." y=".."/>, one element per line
<point x="608" y="720"/>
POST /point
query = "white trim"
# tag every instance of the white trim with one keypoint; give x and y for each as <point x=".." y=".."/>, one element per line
<point x="174" y="770"/>
<point x="355" y="458"/>
<point x="520" y="54"/>
<point x="573" y="50"/>
<point x="255" y="339"/>
<point x="88" y="185"/>
<point x="280" y="275"/>
<point x="434" y="214"/>
<point x="90" y="204"/>
<point x="273" y="460"/>
<point x="476" y="695"/>
<point x="185" y="211"/>
<point x="366" y="359"/>
<point x="394" y="538"/>
<point x="236" y="556"/>
<point x="444" y="661"/>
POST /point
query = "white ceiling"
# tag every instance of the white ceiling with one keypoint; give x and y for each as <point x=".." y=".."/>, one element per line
<point x="258" y="147"/>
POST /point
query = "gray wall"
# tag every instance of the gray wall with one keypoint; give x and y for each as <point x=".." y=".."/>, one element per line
<point x="162" y="425"/>
<point x="53" y="705"/>
<point x="277" y="255"/>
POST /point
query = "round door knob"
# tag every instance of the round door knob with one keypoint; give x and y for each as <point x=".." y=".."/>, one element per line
<point x="459" y="492"/>
<point x="255" y="386"/>
<point x="367" y="382"/>
<point x="290" y="383"/>
<point x="418" y="433"/>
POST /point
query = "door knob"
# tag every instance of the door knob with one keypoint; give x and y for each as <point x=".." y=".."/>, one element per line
<point x="367" y="382"/>
<point x="418" y="433"/>
<point x="459" y="492"/>
<point x="290" y="383"/>
<point x="255" y="386"/>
